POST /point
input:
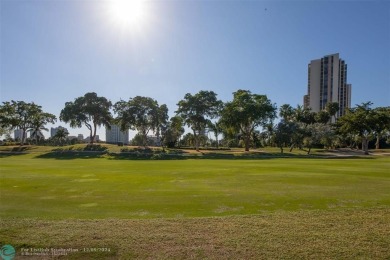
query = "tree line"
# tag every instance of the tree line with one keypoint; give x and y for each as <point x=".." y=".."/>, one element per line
<point x="248" y="120"/>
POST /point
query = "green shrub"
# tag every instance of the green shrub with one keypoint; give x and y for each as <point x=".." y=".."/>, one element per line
<point x="95" y="147"/>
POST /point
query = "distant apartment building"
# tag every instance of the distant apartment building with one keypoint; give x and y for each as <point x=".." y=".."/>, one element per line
<point x="53" y="130"/>
<point x="327" y="82"/>
<point x="115" y="135"/>
<point x="80" y="137"/>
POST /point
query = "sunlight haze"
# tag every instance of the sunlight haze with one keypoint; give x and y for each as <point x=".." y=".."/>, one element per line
<point x="55" y="51"/>
<point x="129" y="14"/>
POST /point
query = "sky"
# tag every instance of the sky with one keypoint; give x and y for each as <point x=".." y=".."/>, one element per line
<point x="52" y="52"/>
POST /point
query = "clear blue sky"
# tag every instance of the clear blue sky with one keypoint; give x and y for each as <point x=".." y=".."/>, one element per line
<point x="54" y="51"/>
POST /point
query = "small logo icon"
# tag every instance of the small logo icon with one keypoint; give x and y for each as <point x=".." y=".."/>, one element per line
<point x="7" y="252"/>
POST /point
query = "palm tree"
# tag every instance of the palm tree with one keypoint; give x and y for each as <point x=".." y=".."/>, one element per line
<point x="188" y="139"/>
<point x="37" y="128"/>
<point x="216" y="128"/>
<point x="38" y="123"/>
<point x="36" y="133"/>
<point x="61" y="135"/>
<point x="268" y="133"/>
<point x="286" y="112"/>
<point x="332" y="108"/>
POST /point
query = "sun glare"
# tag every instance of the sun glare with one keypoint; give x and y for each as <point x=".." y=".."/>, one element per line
<point x="128" y="13"/>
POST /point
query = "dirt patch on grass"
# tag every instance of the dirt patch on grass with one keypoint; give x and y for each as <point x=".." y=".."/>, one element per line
<point x="346" y="234"/>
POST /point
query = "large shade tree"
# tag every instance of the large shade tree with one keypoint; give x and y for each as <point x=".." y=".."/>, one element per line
<point x="197" y="111"/>
<point x="360" y="121"/>
<point x="283" y="133"/>
<point x="23" y="116"/>
<point x="381" y="123"/>
<point x="246" y="112"/>
<point x="318" y="133"/>
<point x="89" y="110"/>
<point x="142" y="114"/>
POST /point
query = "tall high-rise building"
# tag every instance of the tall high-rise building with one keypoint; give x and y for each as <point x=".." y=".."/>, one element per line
<point x="327" y="82"/>
<point x="115" y="135"/>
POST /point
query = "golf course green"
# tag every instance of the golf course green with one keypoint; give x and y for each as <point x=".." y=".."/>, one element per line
<point x="46" y="199"/>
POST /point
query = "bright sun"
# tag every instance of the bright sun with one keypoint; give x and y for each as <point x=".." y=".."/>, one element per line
<point x="128" y="13"/>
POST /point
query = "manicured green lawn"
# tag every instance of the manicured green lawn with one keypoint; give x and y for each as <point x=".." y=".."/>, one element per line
<point x="268" y="207"/>
<point x="305" y="234"/>
<point x="104" y="188"/>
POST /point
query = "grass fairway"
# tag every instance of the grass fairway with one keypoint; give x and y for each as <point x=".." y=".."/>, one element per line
<point x="198" y="208"/>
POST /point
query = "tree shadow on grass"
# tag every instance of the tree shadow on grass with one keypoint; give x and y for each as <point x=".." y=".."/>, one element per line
<point x="264" y="156"/>
<point x="145" y="156"/>
<point x="219" y="156"/>
<point x="20" y="148"/>
<point x="16" y="150"/>
<point x="8" y="154"/>
<point x="71" y="155"/>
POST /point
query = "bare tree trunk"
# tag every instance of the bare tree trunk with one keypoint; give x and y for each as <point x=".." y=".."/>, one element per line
<point x="365" y="145"/>
<point x="23" y="137"/>
<point x="247" y="143"/>
<point x="90" y="136"/>
<point x="378" y="138"/>
<point x="144" y="139"/>
<point x="197" y="141"/>
<point x="94" y="134"/>
<point x="90" y="131"/>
